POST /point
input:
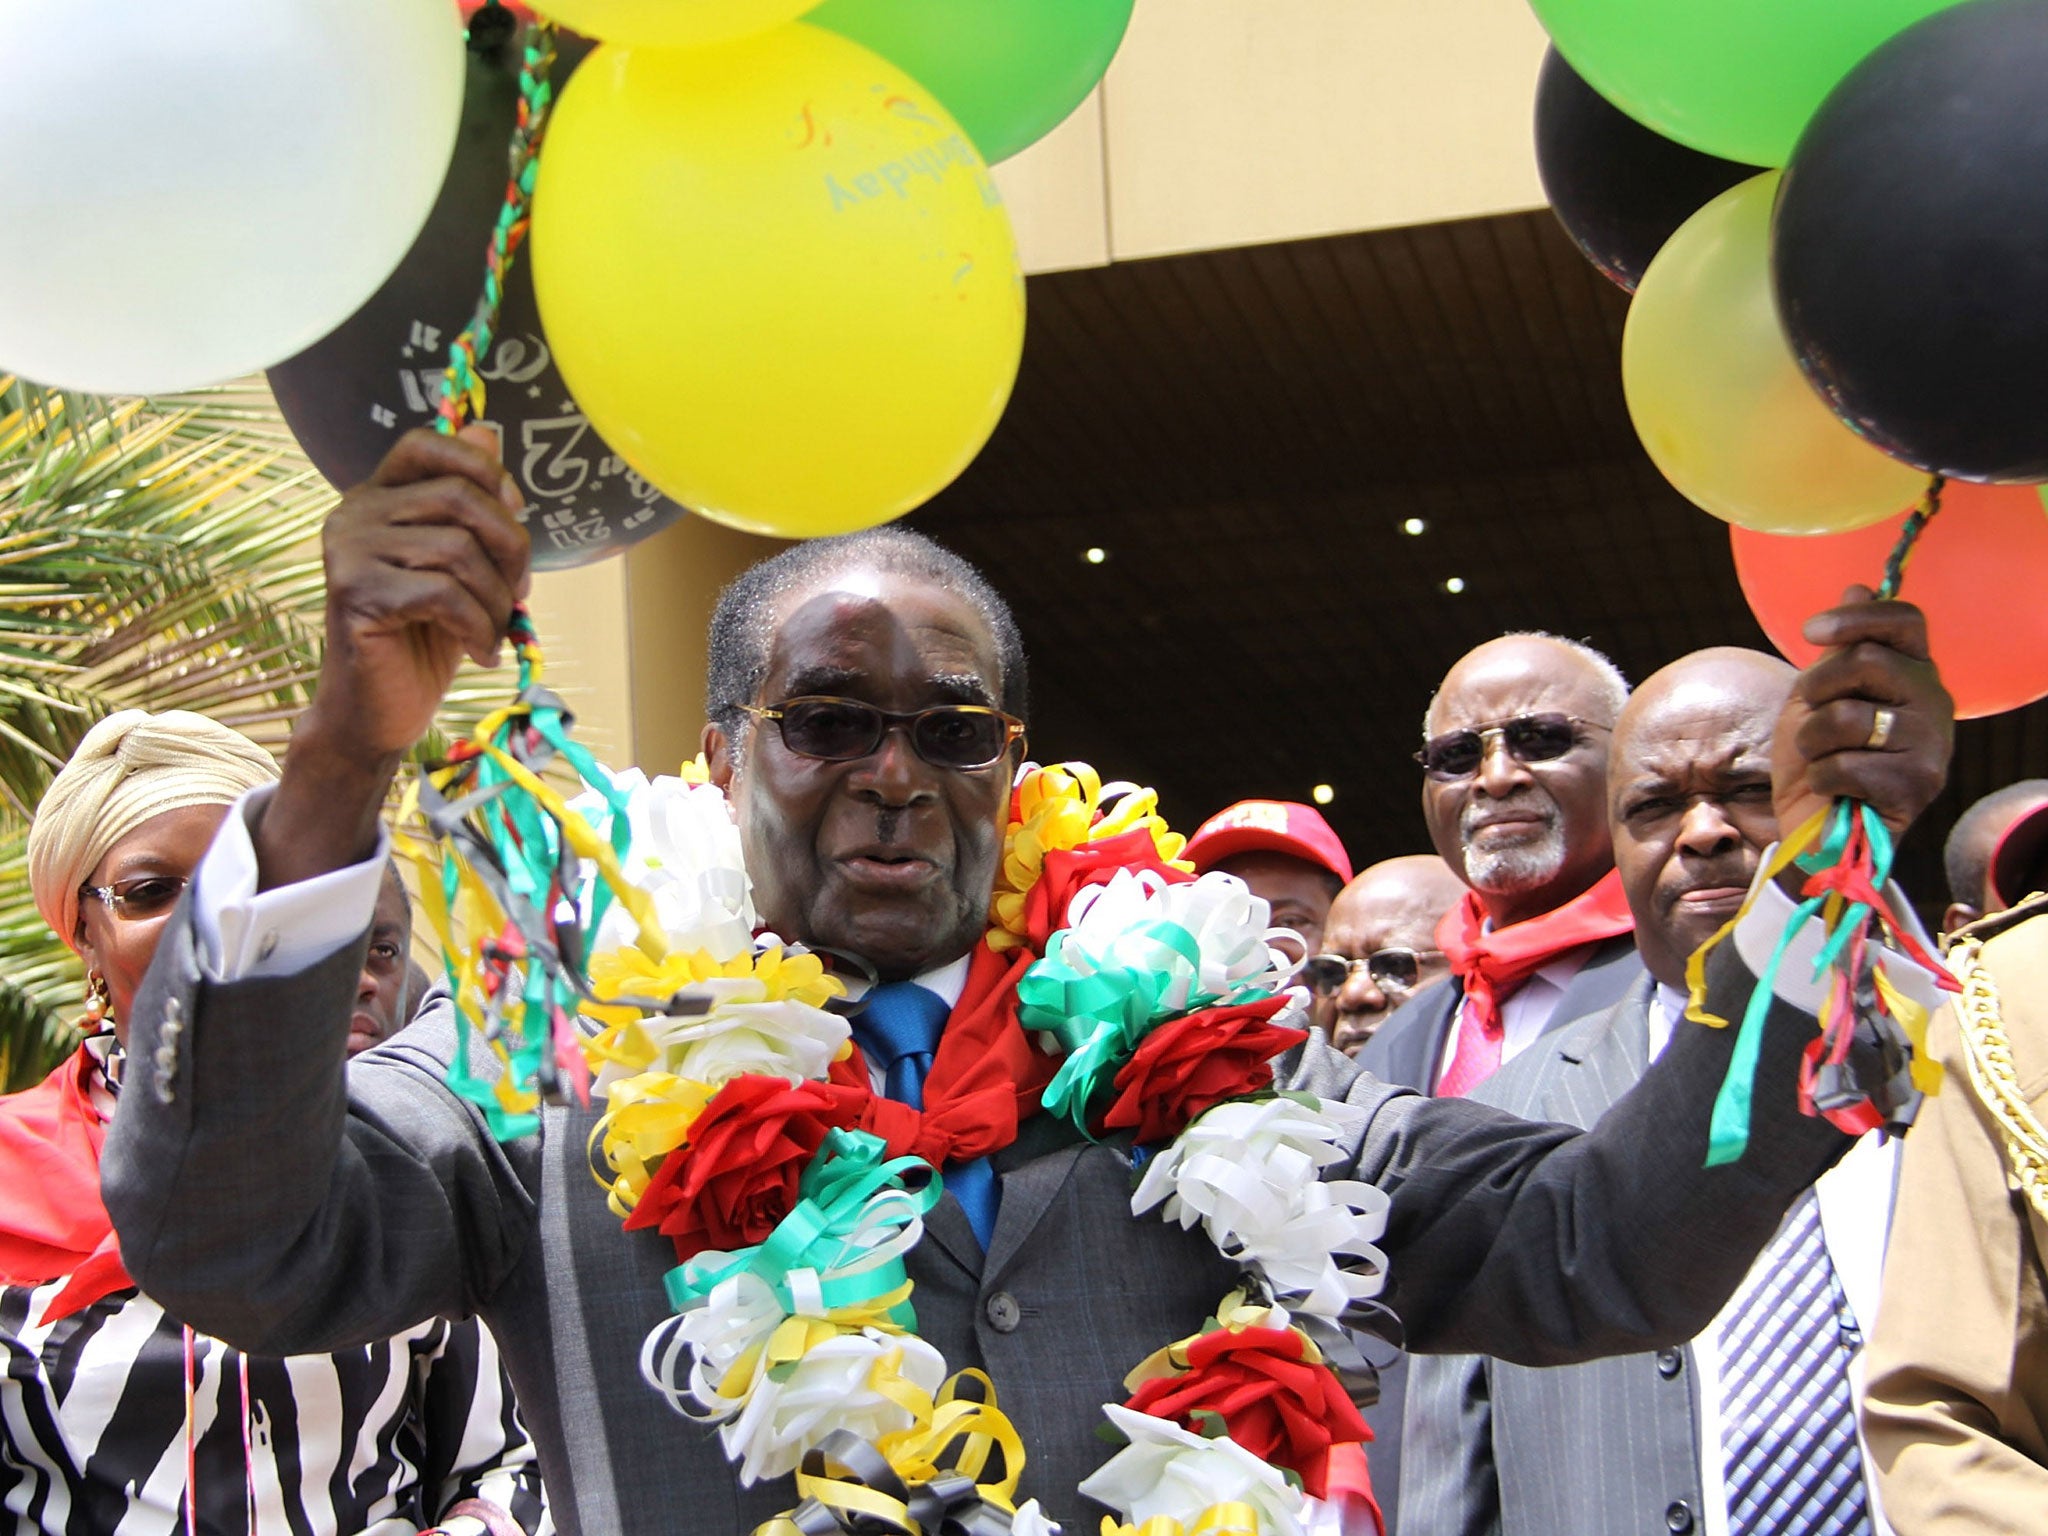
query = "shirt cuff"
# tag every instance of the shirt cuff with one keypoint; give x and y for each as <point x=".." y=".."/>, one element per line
<point x="244" y="933"/>
<point x="1761" y="927"/>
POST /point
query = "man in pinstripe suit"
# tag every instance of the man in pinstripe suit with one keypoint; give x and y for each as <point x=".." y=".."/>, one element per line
<point x="1636" y="1443"/>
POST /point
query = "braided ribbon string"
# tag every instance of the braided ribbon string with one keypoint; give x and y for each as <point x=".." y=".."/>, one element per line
<point x="1868" y="1066"/>
<point x="509" y="872"/>
<point x="462" y="387"/>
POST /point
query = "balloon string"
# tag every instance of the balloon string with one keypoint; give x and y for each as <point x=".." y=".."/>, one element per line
<point x="462" y="387"/>
<point x="1916" y="524"/>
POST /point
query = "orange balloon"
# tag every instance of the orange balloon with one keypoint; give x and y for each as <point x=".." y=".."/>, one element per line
<point x="1977" y="571"/>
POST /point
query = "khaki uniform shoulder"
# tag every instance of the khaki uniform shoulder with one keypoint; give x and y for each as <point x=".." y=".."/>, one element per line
<point x="1998" y="924"/>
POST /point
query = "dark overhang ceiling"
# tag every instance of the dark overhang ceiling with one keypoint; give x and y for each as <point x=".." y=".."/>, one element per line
<point x="1245" y="432"/>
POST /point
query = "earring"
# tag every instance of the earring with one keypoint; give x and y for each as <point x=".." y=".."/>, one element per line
<point x="96" y="999"/>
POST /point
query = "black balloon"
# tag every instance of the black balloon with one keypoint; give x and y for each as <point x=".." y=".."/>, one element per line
<point x="1619" y="190"/>
<point x="350" y="396"/>
<point x="1910" y="244"/>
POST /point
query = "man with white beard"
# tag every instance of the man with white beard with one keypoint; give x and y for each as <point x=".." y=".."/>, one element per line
<point x="1514" y="763"/>
<point x="1514" y="788"/>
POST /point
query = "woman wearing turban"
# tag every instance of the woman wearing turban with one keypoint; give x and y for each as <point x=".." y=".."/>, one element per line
<point x="112" y="1414"/>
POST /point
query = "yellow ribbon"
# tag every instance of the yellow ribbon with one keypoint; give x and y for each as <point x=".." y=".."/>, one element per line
<point x="919" y="1454"/>
<point x="1696" y="966"/>
<point x="1058" y="808"/>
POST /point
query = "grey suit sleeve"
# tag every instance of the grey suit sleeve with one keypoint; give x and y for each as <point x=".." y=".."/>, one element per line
<point x="269" y="1195"/>
<point x="1449" y="1483"/>
<point x="1544" y="1245"/>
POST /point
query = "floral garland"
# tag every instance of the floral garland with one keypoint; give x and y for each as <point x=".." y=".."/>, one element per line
<point x="793" y="1329"/>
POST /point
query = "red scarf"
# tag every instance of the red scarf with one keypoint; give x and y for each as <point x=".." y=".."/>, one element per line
<point x="1492" y="965"/>
<point x="986" y="1075"/>
<point x="52" y="1222"/>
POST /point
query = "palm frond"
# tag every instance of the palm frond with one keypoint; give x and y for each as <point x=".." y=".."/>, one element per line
<point x="155" y="554"/>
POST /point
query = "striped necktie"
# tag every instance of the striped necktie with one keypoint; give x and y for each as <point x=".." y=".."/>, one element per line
<point x="1788" y="1425"/>
<point x="898" y="1031"/>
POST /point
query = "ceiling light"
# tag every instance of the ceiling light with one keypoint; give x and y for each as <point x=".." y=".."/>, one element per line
<point x="1095" y="554"/>
<point x="1413" y="526"/>
<point x="1322" y="794"/>
<point x="1454" y="585"/>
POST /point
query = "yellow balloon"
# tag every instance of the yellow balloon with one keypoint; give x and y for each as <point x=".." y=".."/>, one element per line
<point x="777" y="277"/>
<point x="671" y="23"/>
<point x="1718" y="398"/>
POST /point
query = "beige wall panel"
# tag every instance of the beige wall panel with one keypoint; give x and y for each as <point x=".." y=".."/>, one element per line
<point x="671" y="583"/>
<point x="1231" y="122"/>
<point x="1056" y="197"/>
<point x="580" y="616"/>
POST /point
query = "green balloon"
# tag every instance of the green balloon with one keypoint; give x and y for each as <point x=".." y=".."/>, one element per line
<point x="1008" y="70"/>
<point x="1734" y="78"/>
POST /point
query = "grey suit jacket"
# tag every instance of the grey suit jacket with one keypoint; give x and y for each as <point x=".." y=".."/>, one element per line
<point x="1405" y="1050"/>
<point x="269" y="1195"/>
<point x="1408" y="1046"/>
<point x="1607" y="1448"/>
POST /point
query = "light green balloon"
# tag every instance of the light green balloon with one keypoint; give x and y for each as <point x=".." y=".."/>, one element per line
<point x="1735" y="78"/>
<point x="1008" y="70"/>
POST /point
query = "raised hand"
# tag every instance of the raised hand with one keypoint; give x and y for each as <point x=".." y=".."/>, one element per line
<point x="1869" y="719"/>
<point x="424" y="564"/>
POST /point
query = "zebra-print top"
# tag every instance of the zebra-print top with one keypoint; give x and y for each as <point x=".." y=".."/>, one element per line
<point x="386" y="1439"/>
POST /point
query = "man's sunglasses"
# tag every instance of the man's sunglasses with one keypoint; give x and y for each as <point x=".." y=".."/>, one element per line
<point x="141" y="897"/>
<point x="960" y="736"/>
<point x="1528" y="738"/>
<point x="1395" y="967"/>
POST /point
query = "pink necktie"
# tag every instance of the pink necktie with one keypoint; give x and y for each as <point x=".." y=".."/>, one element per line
<point x="1480" y="1035"/>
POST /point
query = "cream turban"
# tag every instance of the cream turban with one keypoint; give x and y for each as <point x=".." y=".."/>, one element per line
<point x="131" y="766"/>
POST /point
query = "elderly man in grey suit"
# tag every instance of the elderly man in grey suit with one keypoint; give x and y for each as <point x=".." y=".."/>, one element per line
<point x="1751" y="1428"/>
<point x="268" y="1195"/>
<point x="1514" y="791"/>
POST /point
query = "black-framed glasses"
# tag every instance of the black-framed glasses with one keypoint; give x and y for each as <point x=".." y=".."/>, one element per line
<point x="1395" y="968"/>
<point x="139" y="897"/>
<point x="959" y="736"/>
<point x="1529" y="739"/>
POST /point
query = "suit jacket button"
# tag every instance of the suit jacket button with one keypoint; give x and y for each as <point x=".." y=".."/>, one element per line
<point x="1678" y="1518"/>
<point x="1003" y="1312"/>
<point x="1670" y="1362"/>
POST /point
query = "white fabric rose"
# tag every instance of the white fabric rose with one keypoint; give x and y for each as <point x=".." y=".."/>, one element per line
<point x="1251" y="1173"/>
<point x="685" y="855"/>
<point x="1167" y="1471"/>
<point x="831" y="1387"/>
<point x="741" y="1036"/>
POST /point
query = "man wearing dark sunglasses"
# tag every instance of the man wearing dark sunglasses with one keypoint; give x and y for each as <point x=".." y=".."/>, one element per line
<point x="1687" y="1436"/>
<point x="1379" y="946"/>
<point x="253" y="1180"/>
<point x="1514" y="786"/>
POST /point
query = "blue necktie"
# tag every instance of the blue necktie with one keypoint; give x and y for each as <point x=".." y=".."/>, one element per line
<point x="898" y="1031"/>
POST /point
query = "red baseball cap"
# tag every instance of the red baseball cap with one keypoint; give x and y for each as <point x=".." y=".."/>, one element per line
<point x="1277" y="826"/>
<point x="2019" y="860"/>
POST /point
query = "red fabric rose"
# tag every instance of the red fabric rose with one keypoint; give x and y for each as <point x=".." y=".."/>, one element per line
<point x="1194" y="1063"/>
<point x="736" y="1177"/>
<point x="1272" y="1401"/>
<point x="1067" y="870"/>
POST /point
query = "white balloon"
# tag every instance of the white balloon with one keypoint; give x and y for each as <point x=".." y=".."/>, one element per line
<point x="191" y="190"/>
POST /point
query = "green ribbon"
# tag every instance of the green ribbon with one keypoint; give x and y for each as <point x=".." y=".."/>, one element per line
<point x="1728" y="1131"/>
<point x="850" y="1170"/>
<point x="1100" y="1017"/>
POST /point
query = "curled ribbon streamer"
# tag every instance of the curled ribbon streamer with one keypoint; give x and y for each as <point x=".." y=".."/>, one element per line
<point x="850" y="1488"/>
<point x="1060" y="807"/>
<point x="920" y="1454"/>
<point x="1250" y="1171"/>
<point x="857" y="1214"/>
